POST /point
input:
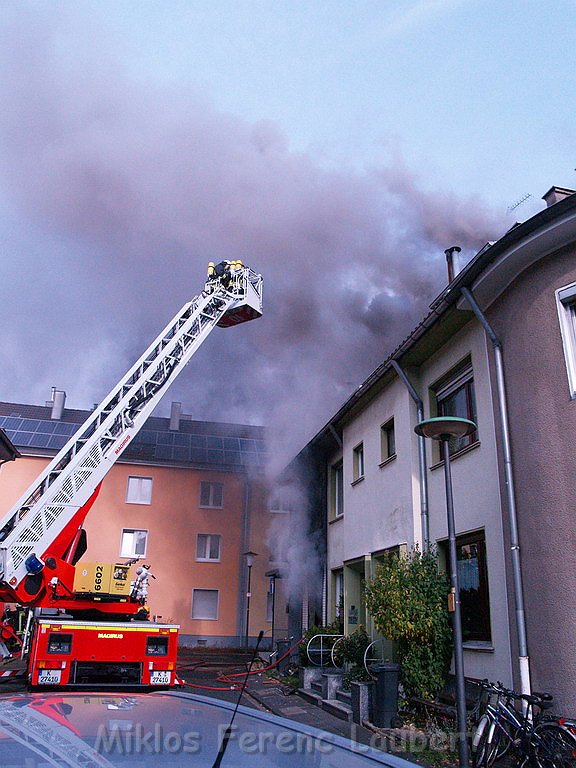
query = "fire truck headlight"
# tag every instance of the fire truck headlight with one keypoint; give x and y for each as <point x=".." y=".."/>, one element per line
<point x="33" y="564"/>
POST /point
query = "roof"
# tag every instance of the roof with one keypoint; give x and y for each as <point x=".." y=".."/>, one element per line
<point x="196" y="444"/>
<point x="442" y="318"/>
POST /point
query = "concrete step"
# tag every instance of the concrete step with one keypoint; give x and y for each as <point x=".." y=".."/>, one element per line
<point x="311" y="696"/>
<point x="338" y="709"/>
<point x="316" y="687"/>
<point x="344" y="696"/>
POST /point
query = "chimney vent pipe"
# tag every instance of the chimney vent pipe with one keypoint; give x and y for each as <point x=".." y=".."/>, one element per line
<point x="58" y="402"/>
<point x="175" y="413"/>
<point x="452" y="261"/>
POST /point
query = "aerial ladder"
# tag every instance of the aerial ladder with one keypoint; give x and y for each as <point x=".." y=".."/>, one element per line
<point x="41" y="537"/>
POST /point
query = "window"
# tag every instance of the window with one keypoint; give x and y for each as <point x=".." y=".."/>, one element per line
<point x="133" y="543"/>
<point x="336" y="490"/>
<point x="387" y="441"/>
<point x="139" y="490"/>
<point x="358" y="462"/>
<point x="157" y="645"/>
<point x="566" y="302"/>
<point x="473" y="581"/>
<point x="456" y="398"/>
<point x="208" y="546"/>
<point x="278" y="549"/>
<point x="280" y="506"/>
<point x="205" y="604"/>
<point x="339" y="594"/>
<point x="59" y="643"/>
<point x="211" y="495"/>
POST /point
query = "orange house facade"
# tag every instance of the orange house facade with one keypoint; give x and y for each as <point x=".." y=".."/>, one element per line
<point x="187" y="498"/>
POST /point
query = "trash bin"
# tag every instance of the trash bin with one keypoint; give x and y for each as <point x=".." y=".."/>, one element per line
<point x="385" y="702"/>
<point x="281" y="647"/>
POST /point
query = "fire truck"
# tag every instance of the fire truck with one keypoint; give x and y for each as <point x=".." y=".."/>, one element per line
<point x="84" y="624"/>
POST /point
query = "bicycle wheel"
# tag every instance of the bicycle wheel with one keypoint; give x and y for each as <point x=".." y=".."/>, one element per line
<point x="554" y="746"/>
<point x="485" y="743"/>
<point x="506" y="736"/>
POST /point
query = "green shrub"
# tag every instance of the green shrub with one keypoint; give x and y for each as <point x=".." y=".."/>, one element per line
<point x="350" y="655"/>
<point x="408" y="602"/>
<point x="351" y="648"/>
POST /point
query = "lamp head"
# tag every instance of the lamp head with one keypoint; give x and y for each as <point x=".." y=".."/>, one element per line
<point x="250" y="557"/>
<point x="445" y="427"/>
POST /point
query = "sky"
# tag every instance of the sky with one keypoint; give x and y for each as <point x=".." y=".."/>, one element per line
<point x="337" y="148"/>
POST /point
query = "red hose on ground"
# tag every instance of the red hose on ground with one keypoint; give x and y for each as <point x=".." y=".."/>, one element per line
<point x="228" y="677"/>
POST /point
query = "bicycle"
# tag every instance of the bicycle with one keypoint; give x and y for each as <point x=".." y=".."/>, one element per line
<point x="524" y="729"/>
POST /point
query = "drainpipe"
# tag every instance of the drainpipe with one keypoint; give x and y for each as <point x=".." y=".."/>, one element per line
<point x="335" y="435"/>
<point x="243" y="577"/>
<point x="421" y="455"/>
<point x="338" y="440"/>
<point x="524" y="662"/>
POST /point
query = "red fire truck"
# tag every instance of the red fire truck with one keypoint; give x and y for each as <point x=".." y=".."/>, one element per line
<point x="107" y="653"/>
<point x="83" y="626"/>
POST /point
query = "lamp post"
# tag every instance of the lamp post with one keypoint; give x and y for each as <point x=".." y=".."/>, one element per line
<point x="250" y="557"/>
<point x="443" y="428"/>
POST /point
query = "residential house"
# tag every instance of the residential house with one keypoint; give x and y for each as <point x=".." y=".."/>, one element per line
<point x="499" y="348"/>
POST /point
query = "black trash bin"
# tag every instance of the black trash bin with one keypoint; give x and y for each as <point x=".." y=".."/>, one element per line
<point x="385" y="702"/>
<point x="281" y="647"/>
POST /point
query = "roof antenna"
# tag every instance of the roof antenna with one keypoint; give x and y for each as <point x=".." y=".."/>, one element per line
<point x="228" y="731"/>
<point x="520" y="201"/>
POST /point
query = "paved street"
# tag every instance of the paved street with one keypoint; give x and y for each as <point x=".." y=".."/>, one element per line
<point x="265" y="693"/>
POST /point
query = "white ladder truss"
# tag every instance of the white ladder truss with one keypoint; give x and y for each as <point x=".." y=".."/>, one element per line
<point x="72" y="476"/>
<point x="54" y="742"/>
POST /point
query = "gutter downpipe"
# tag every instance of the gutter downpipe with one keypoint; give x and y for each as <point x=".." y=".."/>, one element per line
<point x="243" y="580"/>
<point x="524" y="660"/>
<point x="339" y="443"/>
<point x="421" y="455"/>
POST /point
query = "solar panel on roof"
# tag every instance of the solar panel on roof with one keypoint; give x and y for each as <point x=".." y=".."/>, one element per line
<point x="233" y="457"/>
<point x="214" y="443"/>
<point x="11" y="423"/>
<point x="198" y="455"/>
<point x="62" y="428"/>
<point x="57" y="441"/>
<point x="46" y="427"/>
<point x="197" y="442"/>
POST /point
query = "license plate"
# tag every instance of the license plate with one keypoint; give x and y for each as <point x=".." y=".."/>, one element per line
<point x="159" y="677"/>
<point x="49" y="676"/>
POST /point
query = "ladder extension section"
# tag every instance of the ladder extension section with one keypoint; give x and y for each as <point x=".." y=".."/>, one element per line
<point x="47" y="734"/>
<point x="69" y="480"/>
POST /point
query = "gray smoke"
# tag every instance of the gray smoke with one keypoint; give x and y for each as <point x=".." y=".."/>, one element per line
<point x="115" y="195"/>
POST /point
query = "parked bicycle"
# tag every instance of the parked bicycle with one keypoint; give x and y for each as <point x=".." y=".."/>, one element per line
<point x="516" y="723"/>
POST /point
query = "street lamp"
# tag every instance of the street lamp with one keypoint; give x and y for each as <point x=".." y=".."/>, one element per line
<point x="250" y="557"/>
<point x="273" y="575"/>
<point x="443" y="428"/>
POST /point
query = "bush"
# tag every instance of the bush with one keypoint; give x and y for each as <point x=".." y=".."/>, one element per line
<point x="350" y="655"/>
<point x="351" y="648"/>
<point x="408" y="602"/>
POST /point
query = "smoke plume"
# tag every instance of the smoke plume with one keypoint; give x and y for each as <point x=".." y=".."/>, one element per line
<point x="114" y="196"/>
